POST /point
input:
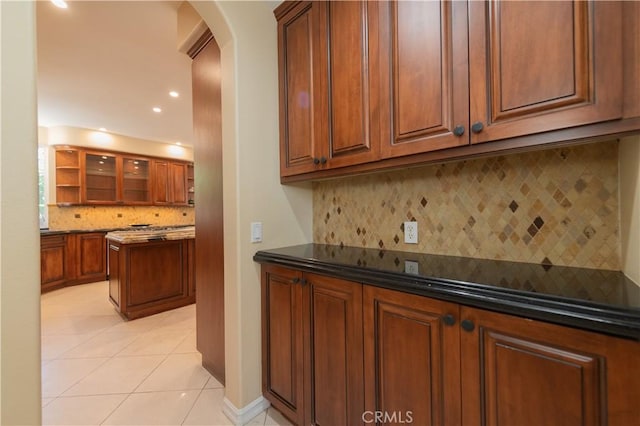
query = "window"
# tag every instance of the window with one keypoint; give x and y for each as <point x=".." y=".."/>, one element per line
<point x="42" y="187"/>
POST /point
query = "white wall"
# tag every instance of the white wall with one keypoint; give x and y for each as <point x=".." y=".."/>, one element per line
<point x="629" y="153"/>
<point x="246" y="33"/>
<point x="65" y="135"/>
<point x="19" y="236"/>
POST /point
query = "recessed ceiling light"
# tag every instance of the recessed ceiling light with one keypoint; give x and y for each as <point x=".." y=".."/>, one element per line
<point x="157" y="109"/>
<point x="174" y="94"/>
<point x="178" y="143"/>
<point x="102" y="129"/>
<point x="60" y="3"/>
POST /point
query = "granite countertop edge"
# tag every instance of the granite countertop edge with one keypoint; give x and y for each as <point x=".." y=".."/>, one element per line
<point x="598" y="317"/>
<point x="47" y="231"/>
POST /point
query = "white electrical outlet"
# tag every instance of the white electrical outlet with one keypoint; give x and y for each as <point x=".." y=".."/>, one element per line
<point x="256" y="232"/>
<point x="411" y="232"/>
<point x="411" y="267"/>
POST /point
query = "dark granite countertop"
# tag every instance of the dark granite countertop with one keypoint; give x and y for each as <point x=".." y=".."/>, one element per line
<point x="591" y="299"/>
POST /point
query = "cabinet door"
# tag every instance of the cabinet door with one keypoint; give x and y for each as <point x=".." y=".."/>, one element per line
<point x="92" y="258"/>
<point x="136" y="182"/>
<point x="297" y="38"/>
<point x="411" y="358"/>
<point x="539" y="66"/>
<point x="54" y="261"/>
<point x="334" y="364"/>
<point x="349" y="82"/>
<point x="161" y="188"/>
<point x="101" y="178"/>
<point x="178" y="176"/>
<point x="516" y="371"/>
<point x="282" y="341"/>
<point x="425" y="77"/>
<point x="169" y="183"/>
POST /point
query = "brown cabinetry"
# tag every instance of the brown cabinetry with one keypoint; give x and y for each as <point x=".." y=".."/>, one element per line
<point x="136" y="180"/>
<point x="150" y="277"/>
<point x="540" y="66"/>
<point x="428" y="361"/>
<point x="412" y="361"/>
<point x="55" y="261"/>
<point x="110" y="178"/>
<point x="91" y="257"/>
<point x="170" y="183"/>
<point x="366" y="86"/>
<point x="424" y="100"/>
<point x="328" y="85"/>
<point x="514" y="369"/>
<point x="72" y="258"/>
<point x="312" y="346"/>
<point x="68" y="181"/>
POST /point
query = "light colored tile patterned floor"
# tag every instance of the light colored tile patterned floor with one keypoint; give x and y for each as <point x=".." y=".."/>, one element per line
<point x="98" y="369"/>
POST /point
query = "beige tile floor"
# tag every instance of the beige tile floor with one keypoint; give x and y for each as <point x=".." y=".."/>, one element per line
<point x="98" y="369"/>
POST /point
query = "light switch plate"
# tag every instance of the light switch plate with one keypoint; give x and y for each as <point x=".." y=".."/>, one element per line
<point x="256" y="232"/>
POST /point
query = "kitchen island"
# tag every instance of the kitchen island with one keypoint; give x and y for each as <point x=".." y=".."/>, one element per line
<point x="151" y="269"/>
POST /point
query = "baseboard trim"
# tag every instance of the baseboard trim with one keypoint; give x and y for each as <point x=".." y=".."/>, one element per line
<point x="241" y="416"/>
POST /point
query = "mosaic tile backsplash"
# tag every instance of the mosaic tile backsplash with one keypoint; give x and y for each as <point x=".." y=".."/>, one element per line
<point x="104" y="217"/>
<point x="555" y="207"/>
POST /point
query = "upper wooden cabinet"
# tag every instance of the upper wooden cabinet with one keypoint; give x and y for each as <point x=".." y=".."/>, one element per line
<point x="102" y="178"/>
<point x="540" y="66"/>
<point x="170" y="183"/>
<point x="136" y="180"/>
<point x="110" y="178"/>
<point x="368" y="85"/>
<point x="328" y="85"/>
<point x="424" y="101"/>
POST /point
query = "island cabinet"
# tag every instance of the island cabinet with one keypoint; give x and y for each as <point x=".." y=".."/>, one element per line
<point x="328" y="343"/>
<point x="312" y="346"/>
<point x="146" y="278"/>
<point x="367" y="86"/>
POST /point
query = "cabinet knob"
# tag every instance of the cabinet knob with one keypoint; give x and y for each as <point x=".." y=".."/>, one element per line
<point x="477" y="127"/>
<point x="296" y="280"/>
<point x="458" y="130"/>
<point x="449" y="319"/>
<point x="323" y="160"/>
<point x="304" y="281"/>
<point x="316" y="161"/>
<point x="467" y="325"/>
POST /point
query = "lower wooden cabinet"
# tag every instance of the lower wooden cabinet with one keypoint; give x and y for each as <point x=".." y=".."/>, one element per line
<point x="73" y="258"/>
<point x="312" y="347"/>
<point x="412" y="358"/>
<point x="338" y="352"/>
<point x="55" y="262"/>
<point x="517" y="370"/>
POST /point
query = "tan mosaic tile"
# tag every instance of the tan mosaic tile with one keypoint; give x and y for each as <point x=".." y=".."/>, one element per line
<point x="557" y="206"/>
<point x="104" y="217"/>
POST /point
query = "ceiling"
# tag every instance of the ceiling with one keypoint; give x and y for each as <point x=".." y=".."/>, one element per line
<point x="107" y="64"/>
